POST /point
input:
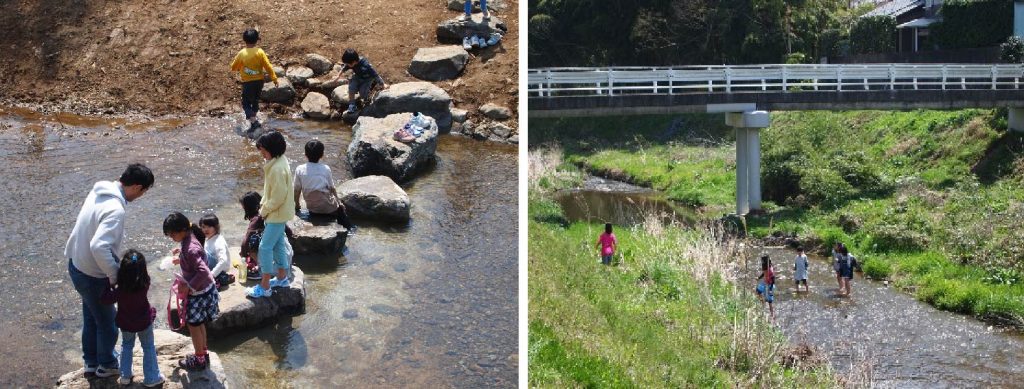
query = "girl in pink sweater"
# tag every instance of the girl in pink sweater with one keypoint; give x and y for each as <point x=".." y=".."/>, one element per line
<point x="203" y="299"/>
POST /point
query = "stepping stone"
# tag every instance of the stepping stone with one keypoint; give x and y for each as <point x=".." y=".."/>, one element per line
<point x="317" y="235"/>
<point x="318" y="64"/>
<point x="376" y="197"/>
<point x="453" y="30"/>
<point x="316" y="106"/>
<point x="417" y="96"/>
<point x="374" y="151"/>
<point x="282" y="93"/>
<point x="299" y="74"/>
<point x="495" y="111"/>
<point x="240" y="312"/>
<point x="438" y="63"/>
<point x="170" y="347"/>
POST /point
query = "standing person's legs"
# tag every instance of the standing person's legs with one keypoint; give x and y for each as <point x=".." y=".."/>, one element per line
<point x="353" y="87"/>
<point x="483" y="7"/>
<point x="150" y="368"/>
<point x="127" y="346"/>
<point x="251" y="98"/>
<point x="99" y="333"/>
<point x="468" y="7"/>
<point x="270" y="247"/>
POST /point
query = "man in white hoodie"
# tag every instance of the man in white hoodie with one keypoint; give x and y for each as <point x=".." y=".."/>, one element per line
<point x="93" y="253"/>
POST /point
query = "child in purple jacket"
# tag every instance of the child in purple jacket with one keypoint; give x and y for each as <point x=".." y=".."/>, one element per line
<point x="134" y="317"/>
<point x="203" y="299"/>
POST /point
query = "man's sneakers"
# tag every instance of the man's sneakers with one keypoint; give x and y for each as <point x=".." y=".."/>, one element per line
<point x="159" y="381"/>
<point x="194" y="362"/>
<point x="276" y="283"/>
<point x="258" y="292"/>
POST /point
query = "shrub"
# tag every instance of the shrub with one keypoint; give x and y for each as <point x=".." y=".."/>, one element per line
<point x="877" y="268"/>
<point x="972" y="23"/>
<point x="1012" y="51"/>
<point x="873" y="34"/>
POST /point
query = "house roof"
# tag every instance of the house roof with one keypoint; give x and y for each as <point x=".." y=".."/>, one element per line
<point x="922" y="22"/>
<point x="895" y="8"/>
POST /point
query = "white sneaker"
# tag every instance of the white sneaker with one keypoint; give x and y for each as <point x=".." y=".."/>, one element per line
<point x="466" y="43"/>
<point x="124" y="381"/>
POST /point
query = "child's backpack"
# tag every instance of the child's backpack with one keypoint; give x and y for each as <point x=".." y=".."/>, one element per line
<point x="179" y="293"/>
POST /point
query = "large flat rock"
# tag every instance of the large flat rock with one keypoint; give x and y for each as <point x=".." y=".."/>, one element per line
<point x="240" y="312"/>
<point x="453" y="30"/>
<point x="438" y="63"/>
<point x="316" y="106"/>
<point x="418" y="96"/>
<point x="317" y="235"/>
<point x="170" y="347"/>
<point x="376" y="197"/>
<point x="374" y="151"/>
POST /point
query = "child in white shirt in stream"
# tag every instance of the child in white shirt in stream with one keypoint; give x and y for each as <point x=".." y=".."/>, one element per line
<point x="216" y="248"/>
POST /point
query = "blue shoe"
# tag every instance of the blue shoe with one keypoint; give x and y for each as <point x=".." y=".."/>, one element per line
<point x="258" y="292"/>
<point x="275" y="283"/>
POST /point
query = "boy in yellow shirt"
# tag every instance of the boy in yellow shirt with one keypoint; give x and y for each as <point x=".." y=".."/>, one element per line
<point x="252" y="66"/>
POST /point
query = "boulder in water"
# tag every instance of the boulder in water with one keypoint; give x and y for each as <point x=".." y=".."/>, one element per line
<point x="317" y="235"/>
<point x="414" y="97"/>
<point x="438" y="63"/>
<point x="376" y="197"/>
<point x="239" y="312"/>
<point x="282" y="93"/>
<point x="170" y="347"/>
<point x="316" y="106"/>
<point x="374" y="151"/>
<point x="453" y="30"/>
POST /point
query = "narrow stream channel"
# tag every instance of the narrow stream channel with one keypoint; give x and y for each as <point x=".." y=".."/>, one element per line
<point x="907" y="343"/>
<point x="431" y="303"/>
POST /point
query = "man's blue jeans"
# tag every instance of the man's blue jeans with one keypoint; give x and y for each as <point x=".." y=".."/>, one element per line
<point x="99" y="333"/>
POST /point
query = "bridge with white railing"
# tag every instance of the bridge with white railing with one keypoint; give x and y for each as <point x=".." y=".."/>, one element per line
<point x="745" y="93"/>
<point x="559" y="92"/>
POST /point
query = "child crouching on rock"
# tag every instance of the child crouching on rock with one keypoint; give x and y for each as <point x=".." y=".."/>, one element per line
<point x="203" y="299"/>
<point x="363" y="77"/>
<point x="216" y="248"/>
<point x="134" y="318"/>
<point x="315" y="182"/>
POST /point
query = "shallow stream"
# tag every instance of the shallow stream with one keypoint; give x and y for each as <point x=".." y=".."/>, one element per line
<point x="431" y="303"/>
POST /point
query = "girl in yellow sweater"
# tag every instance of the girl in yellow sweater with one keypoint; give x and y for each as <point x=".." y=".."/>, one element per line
<point x="275" y="209"/>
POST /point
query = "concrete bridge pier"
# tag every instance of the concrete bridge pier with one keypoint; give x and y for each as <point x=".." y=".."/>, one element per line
<point x="748" y="157"/>
<point x="1015" y="120"/>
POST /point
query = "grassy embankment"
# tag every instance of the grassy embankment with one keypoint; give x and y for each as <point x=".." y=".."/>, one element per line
<point x="669" y="317"/>
<point x="932" y="200"/>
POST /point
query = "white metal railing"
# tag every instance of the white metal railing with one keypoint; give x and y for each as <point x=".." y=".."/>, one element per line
<point x="548" y="82"/>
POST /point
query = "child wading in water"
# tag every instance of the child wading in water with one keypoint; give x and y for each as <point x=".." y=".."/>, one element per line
<point x="363" y="77"/>
<point x="134" y="318"/>
<point x="216" y="248"/>
<point x="800" y="269"/>
<point x="275" y="210"/>
<point x="314" y="182"/>
<point x="253" y="67"/>
<point x="837" y="257"/>
<point x="847" y="263"/>
<point x="203" y="299"/>
<point x="766" y="284"/>
<point x="608" y="244"/>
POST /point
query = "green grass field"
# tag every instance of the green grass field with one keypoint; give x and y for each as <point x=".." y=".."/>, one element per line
<point x="665" y="317"/>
